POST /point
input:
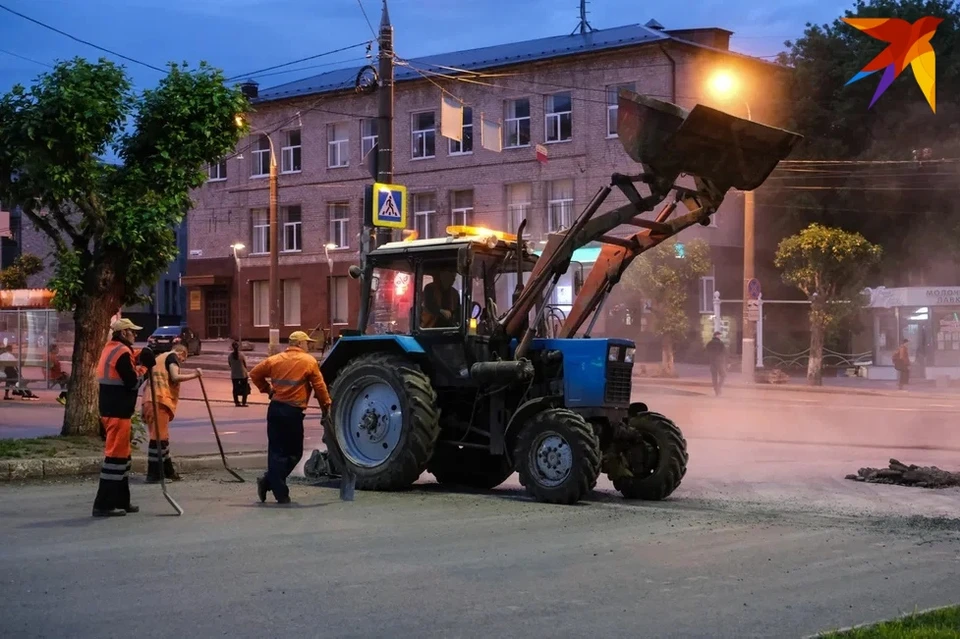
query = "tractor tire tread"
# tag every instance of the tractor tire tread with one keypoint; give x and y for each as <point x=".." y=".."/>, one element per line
<point x="421" y="400"/>
<point x="668" y="477"/>
<point x="587" y="450"/>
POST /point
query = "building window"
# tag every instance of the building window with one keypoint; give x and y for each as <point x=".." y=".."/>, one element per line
<point x="465" y="146"/>
<point x="424" y="215"/>
<point x="339" y="213"/>
<point x="519" y="199"/>
<point x="217" y="172"/>
<point x="261" y="157"/>
<point x="707" y="285"/>
<point x="517" y="122"/>
<point x="260" y="231"/>
<point x="338" y="151"/>
<point x="291" y="302"/>
<point x="292" y="228"/>
<point x="290" y="153"/>
<point x="261" y="303"/>
<point x="559" y="205"/>
<point x="559" y="117"/>
<point x="424" y="135"/>
<point x="612" y="108"/>
<point x="339" y="298"/>
<point x="368" y="136"/>
<point x="462" y="211"/>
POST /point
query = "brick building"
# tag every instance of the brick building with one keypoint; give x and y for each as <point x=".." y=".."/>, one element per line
<point x="558" y="92"/>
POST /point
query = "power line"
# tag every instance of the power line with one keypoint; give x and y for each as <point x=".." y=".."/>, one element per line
<point x="23" y="57"/>
<point x="369" y="24"/>
<point x="72" y="37"/>
<point x="286" y="64"/>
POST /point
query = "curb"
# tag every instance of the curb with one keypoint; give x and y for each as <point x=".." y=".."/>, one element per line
<point x="18" y="469"/>
<point x="796" y="388"/>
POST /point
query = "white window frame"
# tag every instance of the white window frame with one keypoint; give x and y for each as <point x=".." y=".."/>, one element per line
<point x="368" y="140"/>
<point x="291" y="155"/>
<point x="706" y="300"/>
<point x="259" y="232"/>
<point x="338" y="148"/>
<point x="217" y="172"/>
<point x="295" y="227"/>
<point x="553" y="120"/>
<point x="518" y="211"/>
<point x="287" y="319"/>
<point x="261" y="318"/>
<point x="462" y="215"/>
<point x="335" y="300"/>
<point x="513" y="124"/>
<point x="457" y="148"/>
<point x="419" y="137"/>
<point x="613" y="108"/>
<point x="427" y="215"/>
<point x="339" y="226"/>
<point x="565" y="206"/>
<point x="261" y="158"/>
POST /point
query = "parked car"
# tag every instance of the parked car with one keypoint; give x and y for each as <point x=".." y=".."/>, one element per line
<point x="163" y="339"/>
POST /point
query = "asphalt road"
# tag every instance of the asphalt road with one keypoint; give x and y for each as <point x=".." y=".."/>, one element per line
<point x="763" y="539"/>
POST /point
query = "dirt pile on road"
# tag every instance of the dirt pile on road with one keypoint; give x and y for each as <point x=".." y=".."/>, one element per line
<point x="903" y="475"/>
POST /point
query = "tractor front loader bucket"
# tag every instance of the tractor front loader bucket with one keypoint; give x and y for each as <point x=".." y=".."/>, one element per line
<point x="729" y="151"/>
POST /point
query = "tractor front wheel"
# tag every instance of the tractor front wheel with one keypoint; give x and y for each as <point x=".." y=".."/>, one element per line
<point x="385" y="420"/>
<point x="558" y="457"/>
<point x="469" y="467"/>
<point x="648" y="457"/>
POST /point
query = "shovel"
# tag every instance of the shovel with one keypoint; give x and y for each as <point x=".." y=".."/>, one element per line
<point x="216" y="434"/>
<point x="156" y="436"/>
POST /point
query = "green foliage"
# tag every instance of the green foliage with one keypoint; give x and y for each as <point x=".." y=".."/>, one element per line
<point x="112" y="226"/>
<point x="881" y="202"/>
<point x="138" y="431"/>
<point x="943" y="623"/>
<point x="663" y="278"/>
<point x="830" y="266"/>
<point x="15" y="276"/>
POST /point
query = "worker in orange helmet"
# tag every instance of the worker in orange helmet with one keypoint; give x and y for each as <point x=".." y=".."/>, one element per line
<point x="120" y="381"/>
<point x="293" y="373"/>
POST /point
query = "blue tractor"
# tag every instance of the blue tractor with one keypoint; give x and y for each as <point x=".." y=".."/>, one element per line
<point x="437" y="378"/>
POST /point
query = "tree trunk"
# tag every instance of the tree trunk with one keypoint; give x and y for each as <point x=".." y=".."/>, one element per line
<point x="666" y="363"/>
<point x="91" y="320"/>
<point x="815" y="363"/>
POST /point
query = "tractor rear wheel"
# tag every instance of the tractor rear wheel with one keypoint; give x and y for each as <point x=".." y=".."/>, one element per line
<point x="385" y="420"/>
<point x="469" y="467"/>
<point x="654" y="452"/>
<point x="558" y="456"/>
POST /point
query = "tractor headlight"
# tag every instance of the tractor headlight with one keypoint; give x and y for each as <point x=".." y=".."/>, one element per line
<point x="628" y="356"/>
<point x="613" y="354"/>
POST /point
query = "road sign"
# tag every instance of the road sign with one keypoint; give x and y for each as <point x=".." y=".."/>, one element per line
<point x="753" y="310"/>
<point x="389" y="205"/>
<point x="753" y="288"/>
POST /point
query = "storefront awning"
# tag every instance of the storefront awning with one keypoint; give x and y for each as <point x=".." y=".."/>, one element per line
<point x="206" y="280"/>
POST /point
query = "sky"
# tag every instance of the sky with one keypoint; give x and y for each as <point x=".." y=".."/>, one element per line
<point x="242" y="36"/>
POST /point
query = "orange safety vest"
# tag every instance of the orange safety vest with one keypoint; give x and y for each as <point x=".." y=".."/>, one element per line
<point x="107" y="368"/>
<point x="168" y="393"/>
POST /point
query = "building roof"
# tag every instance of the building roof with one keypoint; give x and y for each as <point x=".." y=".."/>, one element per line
<point x="479" y="59"/>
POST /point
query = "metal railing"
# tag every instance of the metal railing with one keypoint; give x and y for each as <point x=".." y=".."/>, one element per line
<point x="831" y="359"/>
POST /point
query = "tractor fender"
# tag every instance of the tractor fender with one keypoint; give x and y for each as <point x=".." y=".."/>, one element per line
<point x="524" y="412"/>
<point x="349" y="347"/>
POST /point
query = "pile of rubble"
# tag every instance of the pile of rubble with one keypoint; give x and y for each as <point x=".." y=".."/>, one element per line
<point x="903" y="475"/>
<point x="775" y="376"/>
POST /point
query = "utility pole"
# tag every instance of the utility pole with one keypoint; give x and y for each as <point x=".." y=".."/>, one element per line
<point x="748" y="344"/>
<point x="274" y="286"/>
<point x="385" y="114"/>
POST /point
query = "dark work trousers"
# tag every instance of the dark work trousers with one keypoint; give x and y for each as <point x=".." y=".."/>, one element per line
<point x="718" y="372"/>
<point x="284" y="445"/>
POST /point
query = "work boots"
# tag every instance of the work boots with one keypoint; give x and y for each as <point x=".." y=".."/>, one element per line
<point x="153" y="463"/>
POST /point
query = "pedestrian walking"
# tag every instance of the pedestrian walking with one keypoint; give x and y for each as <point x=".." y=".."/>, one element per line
<point x="292" y="373"/>
<point x="238" y="375"/>
<point x="717" y="355"/>
<point x="119" y="384"/>
<point x="166" y="380"/>
<point x="901" y="362"/>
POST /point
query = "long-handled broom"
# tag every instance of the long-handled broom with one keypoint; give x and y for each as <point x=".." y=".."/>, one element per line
<point x="156" y="435"/>
<point x="216" y="434"/>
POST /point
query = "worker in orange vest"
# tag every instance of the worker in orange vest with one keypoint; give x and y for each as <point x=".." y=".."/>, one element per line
<point x="119" y="382"/>
<point x="166" y="381"/>
<point x="293" y="373"/>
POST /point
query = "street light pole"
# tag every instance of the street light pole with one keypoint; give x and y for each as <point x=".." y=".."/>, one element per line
<point x="748" y="344"/>
<point x="274" y="286"/>
<point x="236" y="258"/>
<point x="385" y="113"/>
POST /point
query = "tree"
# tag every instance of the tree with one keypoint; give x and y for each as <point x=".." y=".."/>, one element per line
<point x="15" y="276"/>
<point x="662" y="276"/>
<point x="830" y="266"/>
<point x="878" y="201"/>
<point x="111" y="226"/>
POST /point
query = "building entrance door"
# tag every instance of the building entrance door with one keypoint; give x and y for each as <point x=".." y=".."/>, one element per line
<point x="218" y="313"/>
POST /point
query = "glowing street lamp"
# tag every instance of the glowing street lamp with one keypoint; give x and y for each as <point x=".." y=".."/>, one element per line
<point x="236" y="258"/>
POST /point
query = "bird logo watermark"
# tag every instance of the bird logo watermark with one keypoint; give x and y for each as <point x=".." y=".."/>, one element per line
<point x="909" y="45"/>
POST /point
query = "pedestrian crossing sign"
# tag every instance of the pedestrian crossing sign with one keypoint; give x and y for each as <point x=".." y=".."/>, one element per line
<point x="389" y="205"/>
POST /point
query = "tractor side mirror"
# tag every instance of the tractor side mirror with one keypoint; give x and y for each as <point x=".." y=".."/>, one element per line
<point x="355" y="272"/>
<point x="464" y="261"/>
